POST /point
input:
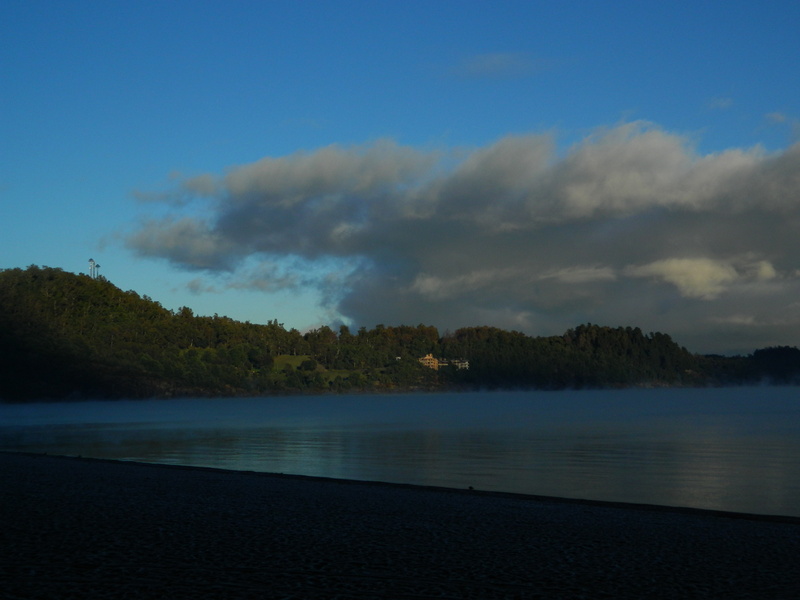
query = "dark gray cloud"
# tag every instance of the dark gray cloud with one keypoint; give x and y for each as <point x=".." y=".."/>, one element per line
<point x="630" y="226"/>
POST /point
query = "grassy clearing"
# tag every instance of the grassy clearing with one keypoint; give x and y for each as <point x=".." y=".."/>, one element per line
<point x="295" y="360"/>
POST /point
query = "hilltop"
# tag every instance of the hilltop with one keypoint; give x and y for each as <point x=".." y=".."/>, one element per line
<point x="66" y="336"/>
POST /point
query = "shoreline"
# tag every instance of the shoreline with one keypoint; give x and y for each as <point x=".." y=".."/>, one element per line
<point x="688" y="510"/>
<point x="98" y="528"/>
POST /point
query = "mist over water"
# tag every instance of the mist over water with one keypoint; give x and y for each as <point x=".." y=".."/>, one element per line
<point x="727" y="449"/>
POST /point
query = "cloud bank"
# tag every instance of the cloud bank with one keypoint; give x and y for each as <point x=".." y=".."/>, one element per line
<point x="629" y="227"/>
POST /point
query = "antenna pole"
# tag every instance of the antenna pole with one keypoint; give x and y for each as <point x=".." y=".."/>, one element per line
<point x="94" y="269"/>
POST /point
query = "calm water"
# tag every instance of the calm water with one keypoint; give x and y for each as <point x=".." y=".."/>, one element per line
<point x="727" y="449"/>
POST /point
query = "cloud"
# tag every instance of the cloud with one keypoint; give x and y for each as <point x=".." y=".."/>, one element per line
<point x="720" y="103"/>
<point x="444" y="288"/>
<point x="199" y="286"/>
<point x="780" y="119"/>
<point x="497" y="65"/>
<point x="629" y="226"/>
<point x="201" y="185"/>
<point x="579" y="274"/>
<point x="699" y="277"/>
<point x="186" y="241"/>
<point x="189" y="190"/>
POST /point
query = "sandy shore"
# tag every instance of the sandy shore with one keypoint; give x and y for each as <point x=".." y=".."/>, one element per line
<point x="81" y="528"/>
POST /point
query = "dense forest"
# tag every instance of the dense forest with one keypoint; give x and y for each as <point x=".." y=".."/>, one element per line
<point x="67" y="336"/>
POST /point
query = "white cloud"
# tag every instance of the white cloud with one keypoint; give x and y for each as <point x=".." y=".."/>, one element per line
<point x="764" y="271"/>
<point x="703" y="278"/>
<point x="695" y="277"/>
<point x="365" y="171"/>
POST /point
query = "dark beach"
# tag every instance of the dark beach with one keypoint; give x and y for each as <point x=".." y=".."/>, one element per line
<point x="83" y="528"/>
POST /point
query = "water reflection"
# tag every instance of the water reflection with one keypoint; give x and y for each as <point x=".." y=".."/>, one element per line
<point x="722" y="449"/>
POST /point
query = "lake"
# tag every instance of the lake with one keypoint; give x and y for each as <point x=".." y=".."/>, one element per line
<point x="733" y="449"/>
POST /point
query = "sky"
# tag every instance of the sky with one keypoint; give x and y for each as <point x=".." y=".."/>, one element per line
<point x="524" y="165"/>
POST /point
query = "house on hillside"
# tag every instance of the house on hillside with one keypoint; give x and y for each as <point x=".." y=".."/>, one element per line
<point x="434" y="363"/>
<point x="430" y="361"/>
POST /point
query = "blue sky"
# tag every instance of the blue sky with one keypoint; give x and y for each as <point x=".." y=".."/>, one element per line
<point x="527" y="165"/>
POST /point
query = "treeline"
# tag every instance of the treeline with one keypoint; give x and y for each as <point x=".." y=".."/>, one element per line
<point x="71" y="336"/>
<point x="587" y="356"/>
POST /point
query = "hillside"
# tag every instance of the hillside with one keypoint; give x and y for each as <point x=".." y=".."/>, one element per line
<point x="72" y="336"/>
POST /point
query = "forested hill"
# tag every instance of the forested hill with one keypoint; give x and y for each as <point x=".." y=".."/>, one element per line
<point x="71" y="336"/>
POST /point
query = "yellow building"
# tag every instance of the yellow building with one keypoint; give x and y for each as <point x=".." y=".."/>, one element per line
<point x="430" y="361"/>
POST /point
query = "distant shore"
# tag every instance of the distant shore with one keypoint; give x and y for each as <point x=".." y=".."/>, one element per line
<point x="85" y="528"/>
